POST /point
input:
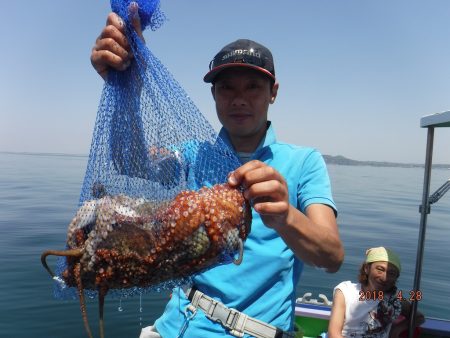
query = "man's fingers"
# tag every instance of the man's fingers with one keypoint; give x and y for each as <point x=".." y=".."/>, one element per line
<point x="112" y="49"/>
<point x="261" y="174"/>
<point x="270" y="208"/>
<point x="269" y="190"/>
<point x="135" y="19"/>
<point x="103" y="59"/>
<point x="113" y="33"/>
<point x="114" y="20"/>
<point x="111" y="45"/>
<point x="240" y="174"/>
<point x="252" y="173"/>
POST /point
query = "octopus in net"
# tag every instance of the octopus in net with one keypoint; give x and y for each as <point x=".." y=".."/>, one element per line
<point x="119" y="242"/>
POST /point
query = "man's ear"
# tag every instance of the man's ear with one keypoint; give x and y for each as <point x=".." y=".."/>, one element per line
<point x="274" y="92"/>
<point x="213" y="92"/>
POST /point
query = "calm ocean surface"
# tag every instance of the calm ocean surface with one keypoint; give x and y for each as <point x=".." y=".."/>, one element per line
<point x="39" y="196"/>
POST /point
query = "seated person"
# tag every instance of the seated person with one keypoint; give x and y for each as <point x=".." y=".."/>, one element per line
<point x="372" y="307"/>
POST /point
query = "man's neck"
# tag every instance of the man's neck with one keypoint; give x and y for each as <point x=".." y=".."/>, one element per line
<point x="248" y="144"/>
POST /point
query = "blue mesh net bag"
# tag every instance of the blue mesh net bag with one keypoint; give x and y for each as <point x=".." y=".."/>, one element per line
<point x="154" y="206"/>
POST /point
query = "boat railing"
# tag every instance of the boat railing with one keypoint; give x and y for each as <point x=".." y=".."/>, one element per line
<point x="306" y="299"/>
<point x="430" y="122"/>
<point x="436" y="196"/>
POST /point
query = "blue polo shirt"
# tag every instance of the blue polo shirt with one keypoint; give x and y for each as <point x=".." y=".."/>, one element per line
<point x="263" y="286"/>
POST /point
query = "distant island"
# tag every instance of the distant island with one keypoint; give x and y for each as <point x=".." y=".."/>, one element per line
<point x="341" y="160"/>
<point x="329" y="159"/>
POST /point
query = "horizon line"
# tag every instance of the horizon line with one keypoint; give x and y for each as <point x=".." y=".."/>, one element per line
<point x="86" y="155"/>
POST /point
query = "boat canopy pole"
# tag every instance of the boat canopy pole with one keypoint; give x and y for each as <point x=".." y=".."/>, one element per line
<point x="424" y="211"/>
<point x="440" y="192"/>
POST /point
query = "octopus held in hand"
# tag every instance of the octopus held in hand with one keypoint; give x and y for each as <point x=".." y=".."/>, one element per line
<point x="119" y="242"/>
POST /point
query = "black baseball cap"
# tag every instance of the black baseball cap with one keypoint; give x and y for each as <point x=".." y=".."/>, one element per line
<point x="242" y="53"/>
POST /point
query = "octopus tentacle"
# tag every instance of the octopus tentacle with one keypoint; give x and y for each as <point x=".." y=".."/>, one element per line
<point x="65" y="253"/>
<point x="238" y="260"/>
<point x="101" y="302"/>
<point x="118" y="242"/>
<point x="77" y="272"/>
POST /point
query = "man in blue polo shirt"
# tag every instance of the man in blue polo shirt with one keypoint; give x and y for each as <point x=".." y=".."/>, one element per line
<point x="294" y="216"/>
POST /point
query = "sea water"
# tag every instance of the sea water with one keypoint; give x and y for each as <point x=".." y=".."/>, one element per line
<point x="39" y="196"/>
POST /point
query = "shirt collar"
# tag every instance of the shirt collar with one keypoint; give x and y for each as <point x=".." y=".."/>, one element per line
<point x="268" y="139"/>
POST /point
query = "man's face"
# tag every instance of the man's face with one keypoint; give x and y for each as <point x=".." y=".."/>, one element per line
<point x="382" y="276"/>
<point x="242" y="97"/>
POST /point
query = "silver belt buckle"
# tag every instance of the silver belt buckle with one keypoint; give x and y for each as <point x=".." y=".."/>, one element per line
<point x="221" y="314"/>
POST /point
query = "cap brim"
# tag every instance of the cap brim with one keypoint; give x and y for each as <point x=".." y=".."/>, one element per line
<point x="211" y="75"/>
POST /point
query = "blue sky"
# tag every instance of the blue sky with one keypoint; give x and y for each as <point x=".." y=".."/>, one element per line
<point x="355" y="75"/>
